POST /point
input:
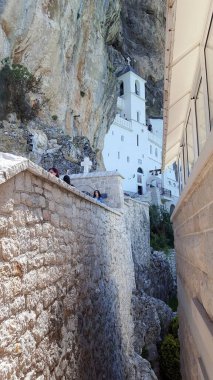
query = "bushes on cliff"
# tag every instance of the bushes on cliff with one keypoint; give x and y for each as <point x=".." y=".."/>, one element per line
<point x="16" y="83"/>
<point x="170" y="354"/>
<point x="161" y="232"/>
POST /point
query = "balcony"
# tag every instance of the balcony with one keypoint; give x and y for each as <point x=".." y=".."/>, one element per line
<point x="121" y="122"/>
<point x="166" y="193"/>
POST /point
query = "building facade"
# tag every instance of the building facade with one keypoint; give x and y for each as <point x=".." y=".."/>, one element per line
<point x="188" y="138"/>
<point x="133" y="147"/>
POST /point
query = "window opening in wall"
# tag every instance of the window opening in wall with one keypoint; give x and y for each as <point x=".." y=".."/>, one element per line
<point x="122" y="138"/>
<point x="128" y="159"/>
<point x="139" y="175"/>
<point x="121" y="92"/>
<point x="190" y="144"/>
<point x="150" y="149"/>
<point x="140" y="190"/>
<point x="137" y="140"/>
<point x="137" y="87"/>
<point x="156" y="152"/>
<point x="209" y="70"/>
<point x="118" y="155"/>
<point x="138" y="116"/>
<point x="112" y="133"/>
<point x="200" y="117"/>
<point x="180" y="170"/>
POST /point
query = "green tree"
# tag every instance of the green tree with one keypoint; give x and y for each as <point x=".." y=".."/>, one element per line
<point x="161" y="232"/>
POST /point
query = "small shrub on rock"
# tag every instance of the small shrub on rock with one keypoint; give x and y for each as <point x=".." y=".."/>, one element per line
<point x="170" y="354"/>
<point x="16" y="83"/>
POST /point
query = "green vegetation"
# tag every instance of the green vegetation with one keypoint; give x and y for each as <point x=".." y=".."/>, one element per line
<point x="170" y="354"/>
<point x="161" y="232"/>
<point x="173" y="303"/>
<point x="16" y="83"/>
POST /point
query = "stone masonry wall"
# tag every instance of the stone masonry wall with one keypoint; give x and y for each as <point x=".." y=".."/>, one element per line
<point x="109" y="183"/>
<point x="66" y="283"/>
<point x="193" y="226"/>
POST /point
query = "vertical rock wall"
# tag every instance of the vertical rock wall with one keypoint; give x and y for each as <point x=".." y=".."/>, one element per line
<point x="77" y="48"/>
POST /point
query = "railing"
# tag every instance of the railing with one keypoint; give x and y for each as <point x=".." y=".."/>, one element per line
<point x="123" y="122"/>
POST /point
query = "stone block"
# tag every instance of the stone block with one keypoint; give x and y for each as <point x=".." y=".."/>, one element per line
<point x="19" y="182"/>
<point x="19" y="217"/>
<point x="49" y="295"/>
<point x="41" y="328"/>
<point x="3" y="226"/>
<point x="34" y="302"/>
<point x="28" y="182"/>
<point x="18" y="305"/>
<point x="51" y="205"/>
<point x="9" y="249"/>
<point x="55" y="220"/>
<point x="46" y="215"/>
<point x="30" y="282"/>
<point x="38" y="190"/>
<point x="42" y="202"/>
<point x="12" y="288"/>
<point x="4" y="313"/>
<point x="33" y="217"/>
<point x="35" y="262"/>
<point x="57" y="195"/>
<point x="43" y="245"/>
<point x="48" y="195"/>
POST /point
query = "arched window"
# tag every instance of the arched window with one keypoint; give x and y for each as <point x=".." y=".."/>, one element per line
<point x="137" y="87"/>
<point x="121" y="92"/>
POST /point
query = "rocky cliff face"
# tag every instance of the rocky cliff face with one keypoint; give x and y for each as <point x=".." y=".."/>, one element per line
<point x="76" y="48"/>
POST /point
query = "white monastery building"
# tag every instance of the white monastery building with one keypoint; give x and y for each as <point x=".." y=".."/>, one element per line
<point x="134" y="148"/>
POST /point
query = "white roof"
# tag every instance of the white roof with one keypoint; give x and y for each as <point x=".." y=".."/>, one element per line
<point x="186" y="22"/>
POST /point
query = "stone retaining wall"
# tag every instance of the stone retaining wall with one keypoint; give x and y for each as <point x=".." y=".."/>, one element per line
<point x="66" y="283"/>
<point x="109" y="183"/>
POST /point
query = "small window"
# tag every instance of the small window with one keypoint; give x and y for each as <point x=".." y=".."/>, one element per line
<point x="150" y="149"/>
<point x="140" y="191"/>
<point x="108" y="154"/>
<point x="118" y="155"/>
<point x="121" y="92"/>
<point x="156" y="152"/>
<point x="112" y="133"/>
<point x="139" y="161"/>
<point x="137" y="87"/>
<point x="128" y="159"/>
<point x="122" y="138"/>
<point x="138" y="116"/>
<point x="137" y="140"/>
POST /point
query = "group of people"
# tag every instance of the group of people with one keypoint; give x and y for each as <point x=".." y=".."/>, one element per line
<point x="96" y="195"/>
